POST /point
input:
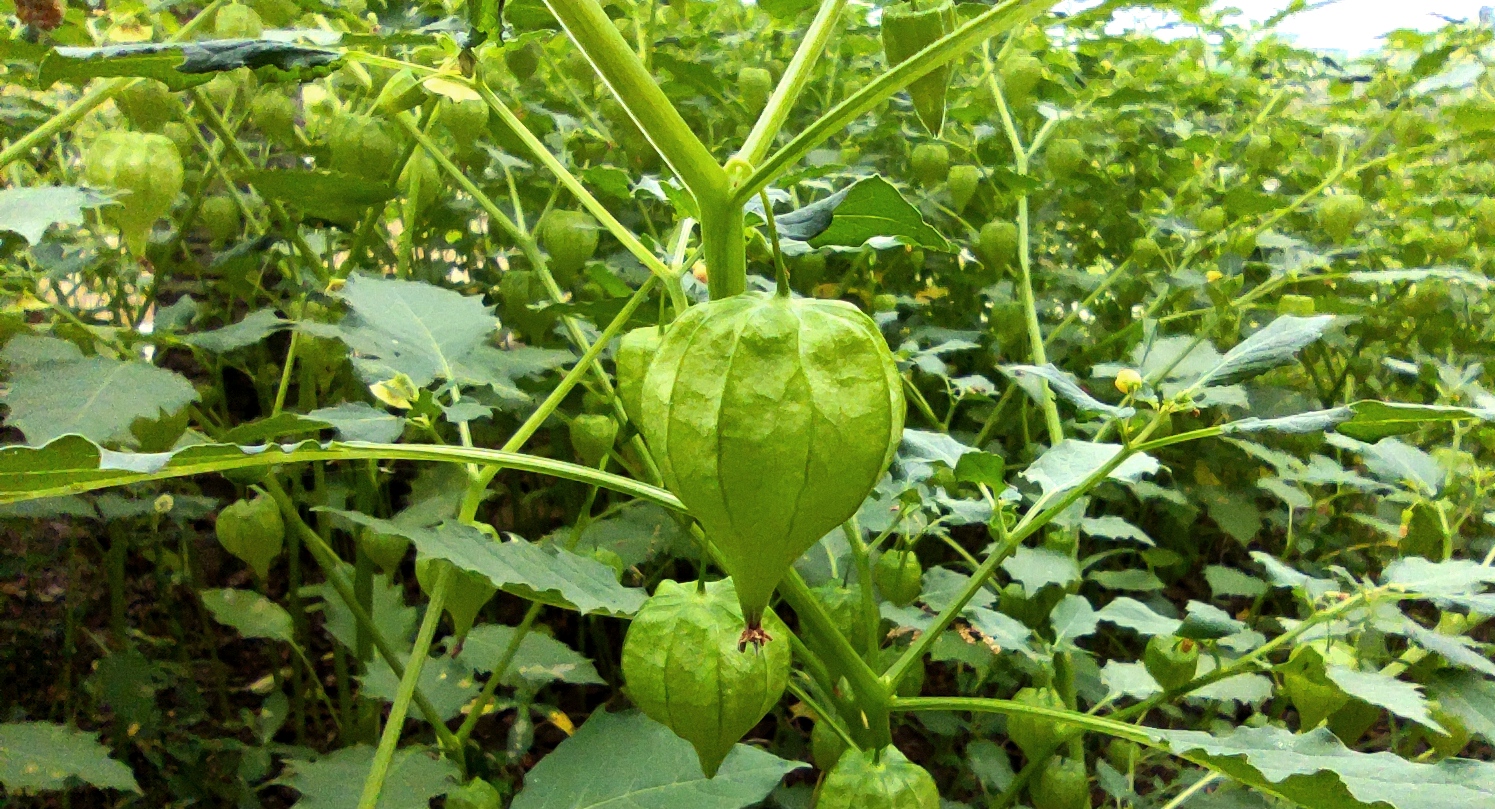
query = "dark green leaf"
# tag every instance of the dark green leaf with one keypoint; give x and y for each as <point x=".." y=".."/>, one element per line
<point x="186" y="64"/>
<point x="327" y="195"/>
<point x="1275" y="345"/>
<point x="850" y="217"/>
<point x="37" y="756"/>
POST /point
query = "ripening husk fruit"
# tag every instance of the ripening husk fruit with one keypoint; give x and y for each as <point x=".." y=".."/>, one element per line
<point x="771" y="419"/>
<point x="906" y="31"/>
<point x="686" y="669"/>
<point x="145" y="165"/>
<point x="891" y="782"/>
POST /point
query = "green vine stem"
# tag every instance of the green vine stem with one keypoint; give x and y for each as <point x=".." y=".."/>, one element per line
<point x="395" y="725"/>
<point x="479" y="705"/>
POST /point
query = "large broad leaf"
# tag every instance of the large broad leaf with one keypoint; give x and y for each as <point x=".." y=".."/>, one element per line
<point x="1275" y="345"/>
<point x="544" y="573"/>
<point x="1468" y="697"/>
<point x="56" y="391"/>
<point x="1068" y="464"/>
<point x="327" y="195"/>
<point x="416" y="775"/>
<point x="254" y="327"/>
<point x="1316" y="771"/>
<point x="180" y="65"/>
<point x="73" y="464"/>
<point x="253" y="615"/>
<point x="628" y="760"/>
<point x="38" y="756"/>
<point x="850" y="217"/>
<point x="1384" y="691"/>
<point x="411" y="328"/>
<point x="30" y="211"/>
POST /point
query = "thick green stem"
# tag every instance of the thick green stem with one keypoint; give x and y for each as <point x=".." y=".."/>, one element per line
<point x="872" y="694"/>
<point x="724" y="246"/>
<point x="625" y="75"/>
<point x="384" y="755"/>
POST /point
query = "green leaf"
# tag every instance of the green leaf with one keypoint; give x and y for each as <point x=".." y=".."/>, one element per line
<point x="1138" y="617"/>
<point x="1316" y="771"/>
<point x="360" y="421"/>
<point x="1384" y="691"/>
<point x="331" y="196"/>
<point x="1374" y="420"/>
<point x="1072" y="618"/>
<point x="1037" y="568"/>
<point x="95" y="397"/>
<point x="1469" y="697"/>
<point x="1063" y="384"/>
<point x="636" y="533"/>
<point x="30" y="211"/>
<point x="253" y="615"/>
<point x="280" y="425"/>
<point x="628" y="760"/>
<point x="186" y="64"/>
<point x="36" y="756"/>
<point x="1275" y="345"/>
<point x="983" y="468"/>
<point x="416" y="775"/>
<point x="1226" y="582"/>
<point x="1068" y="464"/>
<point x="543" y="573"/>
<point x="253" y="328"/>
<point x="1316" y="421"/>
<point x="1207" y="622"/>
<point x="865" y="210"/>
<point x="1116" y="528"/>
<point x="394" y="619"/>
<point x="540" y="660"/>
<point x="1128" y="680"/>
<point x="446" y="683"/>
<point x="411" y="328"/>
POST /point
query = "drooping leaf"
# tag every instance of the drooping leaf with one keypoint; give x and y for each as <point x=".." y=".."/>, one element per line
<point x="628" y="760"/>
<point x="542" y="573"/>
<point x="30" y="211"/>
<point x="180" y="65"/>
<point x="411" y="328"/>
<point x="867" y="209"/>
<point x="1073" y="618"/>
<point x="1063" y="384"/>
<point x="1138" y="617"/>
<point x="1207" y="622"/>
<point x="1374" y="420"/>
<point x="1275" y="345"/>
<point x="1037" y="568"/>
<point x="1316" y="421"/>
<point x="1129" y="680"/>
<point x="1468" y="697"/>
<point x="331" y="196"/>
<point x="1384" y="691"/>
<point x="1068" y="464"/>
<point x="253" y="328"/>
<point x="95" y="397"/>
<point x="250" y="613"/>
<point x="36" y="756"/>
<point x="360" y="421"/>
<point x="415" y="776"/>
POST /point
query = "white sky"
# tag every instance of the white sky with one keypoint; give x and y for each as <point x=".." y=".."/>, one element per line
<point x="1353" y="25"/>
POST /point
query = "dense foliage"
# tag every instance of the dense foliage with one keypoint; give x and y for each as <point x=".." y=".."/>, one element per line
<point x="348" y="424"/>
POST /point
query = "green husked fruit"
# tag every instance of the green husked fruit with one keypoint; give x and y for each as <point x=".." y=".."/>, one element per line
<point x="144" y="165"/>
<point x="1211" y="220"/>
<point x="253" y="531"/>
<point x="1036" y="736"/>
<point x="755" y="84"/>
<point x="1065" y="157"/>
<point x="635" y="351"/>
<point x="1171" y="661"/>
<point x="1145" y="250"/>
<point x="1296" y="305"/>
<point x="1064" y="784"/>
<point x="906" y="30"/>
<point x="998" y="242"/>
<point x="686" y="669"/>
<point x="363" y="146"/>
<point x="771" y="419"/>
<point x="466" y="120"/>
<point x="1484" y="217"/>
<point x="148" y="104"/>
<point x="1446" y="244"/>
<point x="475" y="794"/>
<point x="238" y="21"/>
<point x="385" y="550"/>
<point x="1259" y="152"/>
<point x="1425" y="532"/>
<point x="826" y="746"/>
<point x="421" y="179"/>
<point x="899" y="577"/>
<point x="930" y="163"/>
<point x="1021" y="73"/>
<point x="964" y="180"/>
<point x="1340" y="214"/>
<point x="592" y="436"/>
<point x="274" y="114"/>
<point x="220" y="215"/>
<point x="466" y="593"/>
<point x="889" y="782"/>
<point x="570" y="237"/>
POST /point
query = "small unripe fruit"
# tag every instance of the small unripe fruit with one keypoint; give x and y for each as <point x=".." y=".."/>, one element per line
<point x="930" y="163"/>
<point x="1021" y="73"/>
<point x="592" y="436"/>
<point x="964" y="180"/>
<point x="570" y="237"/>
<point x="1065" y="157"/>
<point x="906" y="30"/>
<point x="253" y="531"/>
<point x="1145" y="250"/>
<point x="1128" y="381"/>
<point x="274" y="114"/>
<point x="466" y="591"/>
<point x="1171" y="661"/>
<point x="899" y="577"/>
<point x="1064" y="784"/>
<point x="1211" y="220"/>
<point x="1340" y="214"/>
<point x="148" y="104"/>
<point x="997" y="243"/>
<point x="826" y="746"/>
<point x="755" y="84"/>
<point x="1036" y="736"/>
<point x="220" y="215"/>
